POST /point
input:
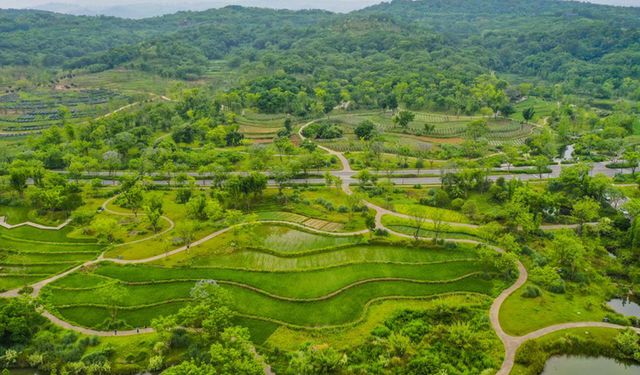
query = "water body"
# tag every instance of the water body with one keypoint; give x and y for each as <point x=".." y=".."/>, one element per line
<point x="574" y="365"/>
<point x="625" y="306"/>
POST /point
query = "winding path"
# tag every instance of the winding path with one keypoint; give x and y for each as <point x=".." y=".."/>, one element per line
<point x="511" y="343"/>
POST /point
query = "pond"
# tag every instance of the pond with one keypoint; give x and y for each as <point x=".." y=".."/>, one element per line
<point x="574" y="365"/>
<point x="625" y="306"/>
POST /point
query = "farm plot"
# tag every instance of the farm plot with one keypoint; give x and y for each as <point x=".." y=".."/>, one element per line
<point x="335" y="291"/>
<point x="28" y="255"/>
<point x="443" y="127"/>
<point x="36" y="110"/>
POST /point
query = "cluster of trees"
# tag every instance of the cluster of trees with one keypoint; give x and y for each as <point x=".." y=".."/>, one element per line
<point x="452" y="339"/>
<point x="48" y="193"/>
<point x="388" y="54"/>
<point x="27" y="341"/>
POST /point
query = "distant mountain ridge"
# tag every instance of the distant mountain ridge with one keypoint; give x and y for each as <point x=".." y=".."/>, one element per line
<point x="144" y="9"/>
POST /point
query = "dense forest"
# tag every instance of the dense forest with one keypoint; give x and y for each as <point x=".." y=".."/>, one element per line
<point x="434" y="47"/>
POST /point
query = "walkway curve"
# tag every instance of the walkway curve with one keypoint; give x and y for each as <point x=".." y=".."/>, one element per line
<point x="511" y="343"/>
<point x="105" y="208"/>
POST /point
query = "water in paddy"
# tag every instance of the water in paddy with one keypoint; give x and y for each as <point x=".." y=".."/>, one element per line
<point x="625" y="306"/>
<point x="574" y="365"/>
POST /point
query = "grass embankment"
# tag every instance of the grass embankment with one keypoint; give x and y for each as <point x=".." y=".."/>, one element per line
<point x="28" y="254"/>
<point x="520" y="315"/>
<point x="532" y="356"/>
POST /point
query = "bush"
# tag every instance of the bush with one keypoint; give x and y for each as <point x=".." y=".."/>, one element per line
<point x="183" y="196"/>
<point x="82" y="217"/>
<point x="532" y="292"/>
<point x="457" y="203"/>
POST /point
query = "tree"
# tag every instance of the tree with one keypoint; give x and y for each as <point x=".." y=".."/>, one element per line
<point x="419" y="164"/>
<point x="585" y="210"/>
<point x="512" y="154"/>
<point x="541" y="163"/>
<point x="370" y="222"/>
<point x="354" y="201"/>
<point x="18" y="179"/>
<point x="528" y="113"/>
<point x="568" y="253"/>
<point x="111" y="160"/>
<point x="311" y="360"/>
<point x="19" y="321"/>
<point x="234" y="138"/>
<point x="186" y="232"/>
<point x="113" y="295"/>
<point x="632" y="158"/>
<point x="284" y="146"/>
<point x="439" y="225"/>
<point x="134" y="198"/>
<point x="419" y="219"/>
<point x="477" y="129"/>
<point x="154" y="210"/>
<point x="365" y="130"/>
<point x="282" y="175"/>
<point x="106" y="229"/>
<point x="404" y="118"/>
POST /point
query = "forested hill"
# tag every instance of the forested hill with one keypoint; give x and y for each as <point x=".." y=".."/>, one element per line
<point x="588" y="48"/>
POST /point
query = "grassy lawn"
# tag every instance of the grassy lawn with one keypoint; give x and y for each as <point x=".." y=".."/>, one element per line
<point x="28" y="254"/>
<point x="520" y="315"/>
<point x="407" y="226"/>
<point x="228" y="257"/>
<point x="406" y="200"/>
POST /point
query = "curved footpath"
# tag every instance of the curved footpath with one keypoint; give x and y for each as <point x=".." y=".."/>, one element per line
<point x="511" y="343"/>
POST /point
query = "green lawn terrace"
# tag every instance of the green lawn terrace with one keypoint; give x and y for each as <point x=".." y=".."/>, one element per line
<point x="306" y="210"/>
<point x="28" y="255"/>
<point x="314" y="285"/>
<point x="37" y="109"/>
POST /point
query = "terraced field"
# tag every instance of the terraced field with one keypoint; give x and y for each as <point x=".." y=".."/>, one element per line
<point x="287" y="277"/>
<point x="260" y="126"/>
<point x="28" y="255"/>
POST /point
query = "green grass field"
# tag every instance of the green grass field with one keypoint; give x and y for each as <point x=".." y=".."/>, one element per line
<point x="28" y="255"/>
<point x="298" y="280"/>
<point x="520" y="315"/>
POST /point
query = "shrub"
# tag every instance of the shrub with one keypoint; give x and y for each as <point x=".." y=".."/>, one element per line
<point x="532" y="292"/>
<point x="457" y="203"/>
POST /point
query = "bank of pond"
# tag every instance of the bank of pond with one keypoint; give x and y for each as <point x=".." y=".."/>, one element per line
<point x="626" y="306"/>
<point x="579" y="365"/>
